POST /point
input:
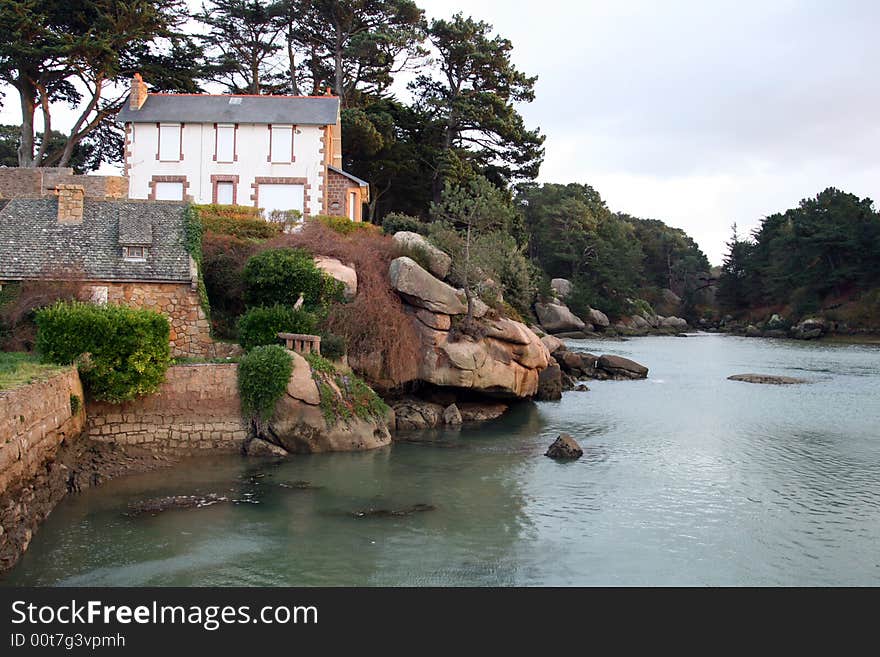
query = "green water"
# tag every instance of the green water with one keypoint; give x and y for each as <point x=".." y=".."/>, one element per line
<point x="687" y="478"/>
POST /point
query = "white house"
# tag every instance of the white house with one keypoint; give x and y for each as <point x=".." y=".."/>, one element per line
<point x="272" y="152"/>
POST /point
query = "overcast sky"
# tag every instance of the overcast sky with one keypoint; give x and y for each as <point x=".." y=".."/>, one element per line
<point x="699" y="113"/>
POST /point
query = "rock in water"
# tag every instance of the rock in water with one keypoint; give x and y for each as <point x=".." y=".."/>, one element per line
<point x="767" y="379"/>
<point x="550" y="383"/>
<point x="452" y="416"/>
<point x="624" y="368"/>
<point x="564" y="447"/>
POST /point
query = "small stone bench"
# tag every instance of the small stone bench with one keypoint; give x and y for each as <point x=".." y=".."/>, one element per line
<point x="302" y="343"/>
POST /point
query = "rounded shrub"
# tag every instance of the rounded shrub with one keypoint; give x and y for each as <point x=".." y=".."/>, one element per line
<point x="344" y="225"/>
<point x="261" y="325"/>
<point x="279" y="276"/>
<point x="333" y="346"/>
<point x="263" y="374"/>
<point x="121" y="352"/>
<point x="394" y="222"/>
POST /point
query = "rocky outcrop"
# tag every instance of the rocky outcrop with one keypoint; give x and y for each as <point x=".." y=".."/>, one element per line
<point x="553" y="344"/>
<point x="420" y="249"/>
<point x="673" y="322"/>
<point x="419" y="288"/>
<point x="622" y="368"/>
<point x="550" y="383"/>
<point x="301" y="423"/>
<point x="561" y="287"/>
<point x="770" y="379"/>
<point x="564" y="448"/>
<point x="502" y="358"/>
<point x="342" y="273"/>
<point x="598" y="319"/>
<point x="809" y="329"/>
<point x="415" y="414"/>
<point x="557" y="318"/>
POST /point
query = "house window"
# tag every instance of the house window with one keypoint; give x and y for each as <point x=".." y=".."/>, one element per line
<point x="134" y="253"/>
<point x="168" y="191"/>
<point x="225" y="193"/>
<point x="352" y="206"/>
<point x="169" y="142"/>
<point x="225" y="143"/>
<point x="281" y="144"/>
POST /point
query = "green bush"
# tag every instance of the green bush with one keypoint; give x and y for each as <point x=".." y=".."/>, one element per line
<point x="394" y="222"/>
<point x="121" y="352"/>
<point x="281" y="275"/>
<point x="263" y="374"/>
<point x="239" y="221"/>
<point x="344" y="225"/>
<point x="194" y="233"/>
<point x="333" y="346"/>
<point x="261" y="325"/>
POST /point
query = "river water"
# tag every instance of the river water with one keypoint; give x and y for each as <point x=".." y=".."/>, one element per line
<point x="687" y="479"/>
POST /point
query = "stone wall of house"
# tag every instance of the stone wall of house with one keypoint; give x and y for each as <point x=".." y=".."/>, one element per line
<point x="190" y="329"/>
<point x="338" y="188"/>
<point x="197" y="408"/>
<point x="35" y="421"/>
<point x="18" y="181"/>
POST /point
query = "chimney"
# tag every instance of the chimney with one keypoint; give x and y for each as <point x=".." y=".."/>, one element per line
<point x="70" y="203"/>
<point x="138" y="95"/>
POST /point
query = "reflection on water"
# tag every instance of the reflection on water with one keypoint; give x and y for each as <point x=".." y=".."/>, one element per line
<point x="687" y="478"/>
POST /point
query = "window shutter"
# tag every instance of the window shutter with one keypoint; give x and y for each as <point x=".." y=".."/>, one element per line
<point x="282" y="143"/>
<point x="225" y="143"/>
<point x="169" y="142"/>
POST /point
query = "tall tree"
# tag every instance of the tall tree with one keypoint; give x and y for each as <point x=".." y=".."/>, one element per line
<point x="473" y="211"/>
<point x="52" y="51"/>
<point x="474" y="100"/>
<point x="350" y="45"/>
<point x="243" y="44"/>
<point x="733" y="283"/>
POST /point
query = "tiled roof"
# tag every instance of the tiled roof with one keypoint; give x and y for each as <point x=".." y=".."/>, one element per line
<point x="196" y="108"/>
<point x="33" y="244"/>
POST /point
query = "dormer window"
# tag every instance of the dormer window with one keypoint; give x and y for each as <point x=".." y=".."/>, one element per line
<point x="134" y="253"/>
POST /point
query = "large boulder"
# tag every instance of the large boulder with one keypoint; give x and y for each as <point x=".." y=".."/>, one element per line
<point x="809" y="329"/>
<point x="564" y="448"/>
<point x="342" y="273"/>
<point x="417" y="247"/>
<point x="417" y="414"/>
<point x="420" y="288"/>
<point x="553" y="344"/>
<point x="618" y="367"/>
<point x="598" y="319"/>
<point x="505" y="362"/>
<point x="561" y="287"/>
<point x="557" y="318"/>
<point x="673" y="322"/>
<point x="299" y="424"/>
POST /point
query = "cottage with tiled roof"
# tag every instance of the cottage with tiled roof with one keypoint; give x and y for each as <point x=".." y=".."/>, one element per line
<point x="123" y="251"/>
<point x="276" y="153"/>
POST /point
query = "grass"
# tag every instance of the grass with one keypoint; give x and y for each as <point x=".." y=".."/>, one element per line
<point x="20" y="369"/>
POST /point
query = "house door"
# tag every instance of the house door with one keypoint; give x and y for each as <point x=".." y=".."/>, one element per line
<point x="278" y="196"/>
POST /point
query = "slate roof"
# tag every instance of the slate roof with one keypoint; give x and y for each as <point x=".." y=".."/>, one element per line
<point x="34" y="245"/>
<point x="202" y="108"/>
<point x="362" y="183"/>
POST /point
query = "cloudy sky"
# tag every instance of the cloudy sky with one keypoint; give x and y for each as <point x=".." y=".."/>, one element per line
<point x="699" y="113"/>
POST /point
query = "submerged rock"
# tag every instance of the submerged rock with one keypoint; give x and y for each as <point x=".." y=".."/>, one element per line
<point x="550" y="383"/>
<point x="393" y="513"/>
<point x="770" y="379"/>
<point x="564" y="447"/>
<point x="160" y="504"/>
<point x="452" y="416"/>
